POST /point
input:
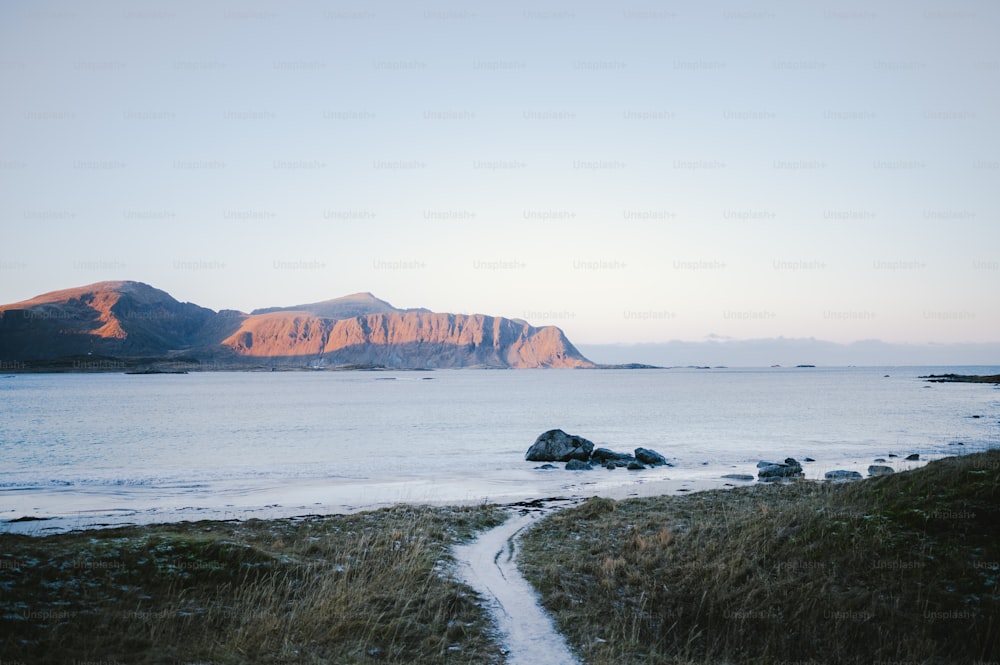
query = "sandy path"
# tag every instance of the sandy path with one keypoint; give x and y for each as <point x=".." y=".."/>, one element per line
<point x="489" y="565"/>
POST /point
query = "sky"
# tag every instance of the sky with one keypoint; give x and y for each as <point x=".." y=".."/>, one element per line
<point x="633" y="172"/>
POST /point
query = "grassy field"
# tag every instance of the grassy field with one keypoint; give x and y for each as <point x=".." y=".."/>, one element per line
<point x="900" y="569"/>
<point x="371" y="587"/>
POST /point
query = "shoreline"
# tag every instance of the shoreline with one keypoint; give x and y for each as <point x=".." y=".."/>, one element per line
<point x="962" y="378"/>
<point x="108" y="365"/>
<point x="577" y="486"/>
<point x="382" y="584"/>
<point x="331" y="468"/>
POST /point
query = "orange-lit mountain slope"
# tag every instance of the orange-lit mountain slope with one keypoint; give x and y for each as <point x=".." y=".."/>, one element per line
<point x="134" y="320"/>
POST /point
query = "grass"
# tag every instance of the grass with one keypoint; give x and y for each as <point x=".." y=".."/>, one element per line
<point x="371" y="587"/>
<point x="901" y="568"/>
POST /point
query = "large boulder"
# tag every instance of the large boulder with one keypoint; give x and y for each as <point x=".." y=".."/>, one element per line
<point x="650" y="457"/>
<point x="558" y="446"/>
<point x="770" y="471"/>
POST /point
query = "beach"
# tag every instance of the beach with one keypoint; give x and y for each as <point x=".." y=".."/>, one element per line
<point x="316" y="517"/>
<point x="382" y="585"/>
<point x="85" y="451"/>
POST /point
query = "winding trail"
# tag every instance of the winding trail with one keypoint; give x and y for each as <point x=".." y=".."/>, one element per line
<point x="489" y="565"/>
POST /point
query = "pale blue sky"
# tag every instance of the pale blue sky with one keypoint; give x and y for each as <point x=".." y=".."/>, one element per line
<point x="633" y="172"/>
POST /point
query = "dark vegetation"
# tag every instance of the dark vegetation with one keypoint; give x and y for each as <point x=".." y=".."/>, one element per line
<point x="371" y="587"/>
<point x="900" y="568"/>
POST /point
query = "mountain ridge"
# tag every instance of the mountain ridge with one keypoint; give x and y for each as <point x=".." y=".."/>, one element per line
<point x="133" y="321"/>
<point x="344" y="307"/>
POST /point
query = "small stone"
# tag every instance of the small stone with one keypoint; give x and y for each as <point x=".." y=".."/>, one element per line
<point x="878" y="470"/>
<point x="578" y="465"/>
<point x="636" y="466"/>
<point x="603" y="455"/>
<point x="913" y="458"/>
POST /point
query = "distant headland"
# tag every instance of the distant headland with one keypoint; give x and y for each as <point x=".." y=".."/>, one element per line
<point x="131" y="326"/>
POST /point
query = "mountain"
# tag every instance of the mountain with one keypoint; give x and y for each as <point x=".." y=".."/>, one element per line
<point x="404" y="339"/>
<point x="133" y="325"/>
<point x="347" y="307"/>
<point x="116" y="319"/>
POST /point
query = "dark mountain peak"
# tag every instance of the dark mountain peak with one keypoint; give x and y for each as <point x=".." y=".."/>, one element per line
<point x="366" y="296"/>
<point x="139" y="291"/>
<point x="345" y="307"/>
<point x="114" y="318"/>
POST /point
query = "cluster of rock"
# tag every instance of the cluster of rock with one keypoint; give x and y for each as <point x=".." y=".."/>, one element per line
<point x="790" y="469"/>
<point x="579" y="454"/>
<point x="873" y="469"/>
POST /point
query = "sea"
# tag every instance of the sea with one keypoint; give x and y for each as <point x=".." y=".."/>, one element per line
<point x="87" y="450"/>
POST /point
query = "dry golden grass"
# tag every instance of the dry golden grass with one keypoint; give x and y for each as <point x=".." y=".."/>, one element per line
<point x="902" y="568"/>
<point x="372" y="587"/>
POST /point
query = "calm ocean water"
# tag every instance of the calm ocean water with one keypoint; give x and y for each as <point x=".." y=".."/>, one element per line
<point x="113" y="448"/>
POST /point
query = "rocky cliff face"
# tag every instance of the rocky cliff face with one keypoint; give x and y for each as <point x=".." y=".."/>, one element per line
<point x="405" y="339"/>
<point x="131" y="319"/>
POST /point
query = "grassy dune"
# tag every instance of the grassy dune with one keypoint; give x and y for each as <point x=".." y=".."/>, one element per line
<point x="371" y="587"/>
<point x="902" y="568"/>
